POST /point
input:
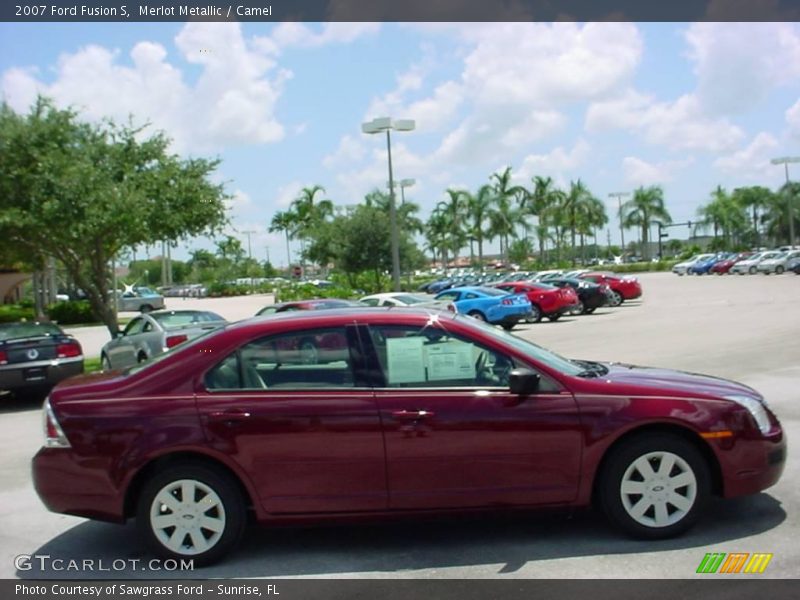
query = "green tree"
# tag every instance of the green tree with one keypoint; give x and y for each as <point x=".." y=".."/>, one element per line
<point x="284" y="221"/>
<point x="478" y="209"/>
<point x="644" y="209"/>
<point x="83" y="193"/>
<point x="505" y="213"/>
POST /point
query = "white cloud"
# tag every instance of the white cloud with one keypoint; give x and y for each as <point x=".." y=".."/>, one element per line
<point x="677" y="125"/>
<point x="738" y="64"/>
<point x="640" y="172"/>
<point x="287" y="193"/>
<point x="298" y="34"/>
<point x="753" y="161"/>
<point x="793" y="119"/>
<point x="557" y="163"/>
<point x="349" y="151"/>
<point x="232" y="102"/>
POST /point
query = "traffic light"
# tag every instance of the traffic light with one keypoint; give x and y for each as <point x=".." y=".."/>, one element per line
<point x="664" y="234"/>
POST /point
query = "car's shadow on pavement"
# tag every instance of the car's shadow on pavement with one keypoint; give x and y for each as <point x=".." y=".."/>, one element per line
<point x="509" y="541"/>
<point x="14" y="403"/>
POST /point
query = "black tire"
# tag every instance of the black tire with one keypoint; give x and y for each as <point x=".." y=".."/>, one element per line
<point x="507" y="326"/>
<point x="105" y="364"/>
<point x="146" y="308"/>
<point x="779" y="270"/>
<point x="233" y="512"/>
<point x="476" y="314"/>
<point x="588" y="311"/>
<point x="620" y="467"/>
<point x="579" y="309"/>
<point x="554" y="318"/>
<point x="536" y="314"/>
<point x="141" y="357"/>
<point x="618" y="299"/>
<point x="753" y="270"/>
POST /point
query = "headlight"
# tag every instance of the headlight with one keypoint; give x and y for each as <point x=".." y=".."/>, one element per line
<point x="755" y="408"/>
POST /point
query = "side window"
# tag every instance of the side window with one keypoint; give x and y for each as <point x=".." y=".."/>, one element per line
<point x="369" y="301"/>
<point x="431" y="357"/>
<point x="388" y="303"/>
<point x="449" y="296"/>
<point x="471" y="296"/>
<point x="135" y="326"/>
<point x="308" y="360"/>
<point x="148" y="327"/>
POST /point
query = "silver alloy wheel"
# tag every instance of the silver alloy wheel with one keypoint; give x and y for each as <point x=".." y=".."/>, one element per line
<point x="187" y="517"/>
<point x="658" y="489"/>
<point x="617" y="298"/>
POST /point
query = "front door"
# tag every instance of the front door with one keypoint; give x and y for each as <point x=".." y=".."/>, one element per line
<point x="456" y="436"/>
<point x="292" y="411"/>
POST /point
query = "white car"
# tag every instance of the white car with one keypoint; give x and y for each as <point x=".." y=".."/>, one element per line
<point x="751" y="264"/>
<point x="682" y="268"/>
<point x="777" y="264"/>
<point x="399" y="299"/>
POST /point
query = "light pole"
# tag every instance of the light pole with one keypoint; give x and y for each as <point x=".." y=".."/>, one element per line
<point x="785" y="160"/>
<point x="404" y="183"/>
<point x="619" y="196"/>
<point x="249" y="254"/>
<point x="377" y="126"/>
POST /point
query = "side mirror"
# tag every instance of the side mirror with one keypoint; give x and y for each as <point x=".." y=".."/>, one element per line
<point x="523" y="382"/>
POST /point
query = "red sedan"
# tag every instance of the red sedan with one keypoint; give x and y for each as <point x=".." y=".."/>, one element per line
<point x="423" y="411"/>
<point x="623" y="287"/>
<point x="546" y="300"/>
<point x="724" y="266"/>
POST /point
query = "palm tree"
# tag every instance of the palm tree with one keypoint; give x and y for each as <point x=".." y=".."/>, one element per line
<point x="725" y="214"/>
<point x="576" y="197"/>
<point x="436" y="233"/>
<point x="454" y="210"/>
<point x="778" y="210"/>
<point x="755" y="198"/>
<point x="541" y="203"/>
<point x="478" y="209"/>
<point x="645" y="208"/>
<point x="505" y="214"/>
<point x="591" y="216"/>
<point x="284" y="221"/>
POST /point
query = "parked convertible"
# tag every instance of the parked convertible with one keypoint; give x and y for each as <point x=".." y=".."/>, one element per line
<point x="494" y="306"/>
<point x="149" y="335"/>
<point x="417" y="413"/>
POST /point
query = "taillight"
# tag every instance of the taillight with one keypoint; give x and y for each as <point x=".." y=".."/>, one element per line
<point x="68" y="350"/>
<point x="451" y="307"/>
<point x="54" y="436"/>
<point x="174" y="340"/>
<point x="508" y="301"/>
<point x="3" y="357"/>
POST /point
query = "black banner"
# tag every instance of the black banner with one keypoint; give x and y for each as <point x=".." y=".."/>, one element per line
<point x="400" y="10"/>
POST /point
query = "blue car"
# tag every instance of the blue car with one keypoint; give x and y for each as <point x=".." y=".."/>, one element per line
<point x="703" y="267"/>
<point x="488" y="304"/>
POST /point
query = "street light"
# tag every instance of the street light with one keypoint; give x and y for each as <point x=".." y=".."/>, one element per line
<point x="377" y="126"/>
<point x="619" y="196"/>
<point x="404" y="183"/>
<point x="785" y="160"/>
<point x="249" y="252"/>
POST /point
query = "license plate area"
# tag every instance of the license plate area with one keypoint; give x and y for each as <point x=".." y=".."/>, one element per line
<point x="35" y="374"/>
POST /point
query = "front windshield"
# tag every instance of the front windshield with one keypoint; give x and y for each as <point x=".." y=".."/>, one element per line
<point x="183" y="318"/>
<point x="534" y="351"/>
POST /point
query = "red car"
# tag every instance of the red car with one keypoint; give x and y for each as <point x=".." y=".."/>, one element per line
<point x="546" y="300"/>
<point x="724" y="266"/>
<point x="623" y="287"/>
<point x="424" y="412"/>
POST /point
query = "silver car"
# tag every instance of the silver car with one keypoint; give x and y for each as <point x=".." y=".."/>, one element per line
<point x="153" y="333"/>
<point x="777" y="264"/>
<point x="139" y="299"/>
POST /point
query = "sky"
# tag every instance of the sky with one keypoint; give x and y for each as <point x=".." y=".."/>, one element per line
<point x="618" y="105"/>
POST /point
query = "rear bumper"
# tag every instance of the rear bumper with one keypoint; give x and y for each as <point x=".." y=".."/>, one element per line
<point x="66" y="486"/>
<point x="38" y="375"/>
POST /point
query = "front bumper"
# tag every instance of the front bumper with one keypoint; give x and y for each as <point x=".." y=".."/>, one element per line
<point x="39" y="374"/>
<point x="752" y="465"/>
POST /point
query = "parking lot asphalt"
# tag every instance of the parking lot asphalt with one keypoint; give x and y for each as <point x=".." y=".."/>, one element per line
<point x="744" y="328"/>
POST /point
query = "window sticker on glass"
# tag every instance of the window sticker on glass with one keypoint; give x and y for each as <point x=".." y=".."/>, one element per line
<point x="450" y="360"/>
<point x="405" y="360"/>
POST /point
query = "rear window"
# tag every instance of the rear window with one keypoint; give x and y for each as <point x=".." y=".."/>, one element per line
<point x="14" y="331"/>
<point x="183" y="319"/>
<point x="492" y="291"/>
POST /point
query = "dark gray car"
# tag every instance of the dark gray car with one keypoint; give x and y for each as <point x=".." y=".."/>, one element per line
<point x="153" y="333"/>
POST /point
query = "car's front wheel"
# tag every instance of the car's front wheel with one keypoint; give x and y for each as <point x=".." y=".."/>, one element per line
<point x="191" y="511"/>
<point x="654" y="486"/>
<point x="779" y="270"/>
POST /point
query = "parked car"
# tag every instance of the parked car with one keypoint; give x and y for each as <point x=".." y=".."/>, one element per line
<point x="794" y="265"/>
<point x="777" y="264"/>
<point x="591" y="296"/>
<point x="546" y="300"/>
<point x="750" y="265"/>
<point x="682" y="268"/>
<point x="420" y="414"/>
<point x="398" y="299"/>
<point x="724" y="266"/>
<point x="139" y="299"/>
<point x="703" y="267"/>
<point x="36" y="356"/>
<point x="623" y="287"/>
<point x="316" y="304"/>
<point x="150" y="334"/>
<point x="489" y="304"/>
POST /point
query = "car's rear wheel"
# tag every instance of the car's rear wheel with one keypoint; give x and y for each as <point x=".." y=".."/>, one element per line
<point x="554" y="317"/>
<point x="477" y="315"/>
<point x="191" y="511"/>
<point x="146" y="308"/>
<point x="617" y="298"/>
<point x="579" y="309"/>
<point x="588" y="311"/>
<point x="508" y="326"/>
<point x="753" y="270"/>
<point x="654" y="486"/>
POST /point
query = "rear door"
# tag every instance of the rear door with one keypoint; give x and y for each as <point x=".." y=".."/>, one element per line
<point x="293" y="410"/>
<point x="456" y="437"/>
